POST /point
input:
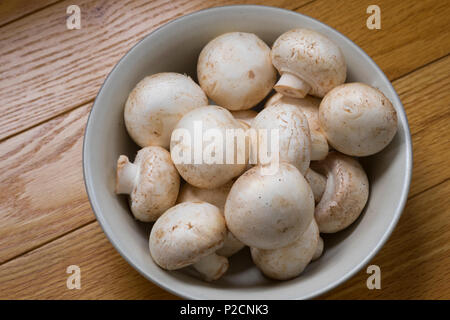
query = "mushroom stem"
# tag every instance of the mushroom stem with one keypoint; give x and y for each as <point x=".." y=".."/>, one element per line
<point x="212" y="267"/>
<point x="317" y="182"/>
<point x="319" y="146"/>
<point x="292" y="86"/>
<point x="127" y="174"/>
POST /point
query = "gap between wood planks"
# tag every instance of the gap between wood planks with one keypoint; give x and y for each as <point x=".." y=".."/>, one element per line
<point x="85" y="225"/>
<point x="314" y="5"/>
<point x="93" y="99"/>
<point x="95" y="220"/>
<point x="43" y="243"/>
<point x="198" y="6"/>
<point x="83" y="66"/>
<point x="408" y="270"/>
<point x="28" y="13"/>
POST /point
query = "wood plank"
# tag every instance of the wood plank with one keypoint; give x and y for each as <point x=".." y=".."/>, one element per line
<point x="42" y="192"/>
<point x="15" y="9"/>
<point x="83" y="57"/>
<point x="41" y="274"/>
<point x="425" y="95"/>
<point x="412" y="33"/>
<point x="46" y="160"/>
<point x="431" y="154"/>
<point x="46" y="69"/>
<point x="414" y="262"/>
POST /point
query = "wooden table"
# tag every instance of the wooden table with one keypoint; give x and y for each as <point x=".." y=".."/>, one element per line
<point x="49" y="77"/>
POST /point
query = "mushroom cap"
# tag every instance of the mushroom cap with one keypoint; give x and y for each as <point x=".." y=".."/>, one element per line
<point x="245" y="116"/>
<point x="312" y="57"/>
<point x="294" y="136"/>
<point x="235" y="70"/>
<point x="346" y="192"/>
<point x="269" y="211"/>
<point x="357" y="119"/>
<point x="310" y="108"/>
<point x="288" y="262"/>
<point x="155" y="105"/>
<point x="156" y="186"/>
<point x="186" y="233"/>
<point x="216" y="197"/>
<point x="206" y="174"/>
<point x="319" y="250"/>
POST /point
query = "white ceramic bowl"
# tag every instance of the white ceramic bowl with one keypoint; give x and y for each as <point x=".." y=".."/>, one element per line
<point x="175" y="47"/>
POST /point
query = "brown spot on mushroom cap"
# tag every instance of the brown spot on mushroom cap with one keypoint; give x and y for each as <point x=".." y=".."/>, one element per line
<point x="156" y="104"/>
<point x="210" y="175"/>
<point x="294" y="138"/>
<point x="179" y="247"/>
<point x="312" y="57"/>
<point x="355" y="120"/>
<point x="160" y="233"/>
<point x="269" y="210"/>
<point x="235" y="70"/>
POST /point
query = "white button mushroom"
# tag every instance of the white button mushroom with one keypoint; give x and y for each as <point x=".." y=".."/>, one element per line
<point x="317" y="182"/>
<point x="310" y="108"/>
<point x="216" y="197"/>
<point x="152" y="182"/>
<point x="235" y="70"/>
<point x="293" y="131"/>
<point x="206" y="127"/>
<point x="157" y="103"/>
<point x="319" y="250"/>
<point x="346" y="192"/>
<point x="290" y="261"/>
<point x="308" y="62"/>
<point x="357" y="119"/>
<point x="245" y="116"/>
<point x="189" y="234"/>
<point x="269" y="211"/>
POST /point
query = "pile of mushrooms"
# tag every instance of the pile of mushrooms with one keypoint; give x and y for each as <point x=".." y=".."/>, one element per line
<point x="205" y="212"/>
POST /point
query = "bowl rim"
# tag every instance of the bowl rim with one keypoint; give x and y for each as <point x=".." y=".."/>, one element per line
<point x="90" y="190"/>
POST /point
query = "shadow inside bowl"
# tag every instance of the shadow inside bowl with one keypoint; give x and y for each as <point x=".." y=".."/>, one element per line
<point x="175" y="47"/>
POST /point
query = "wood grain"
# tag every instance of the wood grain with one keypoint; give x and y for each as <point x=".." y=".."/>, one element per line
<point x="53" y="164"/>
<point x="414" y="262"/>
<point x="60" y="69"/>
<point x="49" y="77"/>
<point x="14" y="9"/>
<point x="41" y="274"/>
<point x="413" y="33"/>
<point x="42" y="193"/>
<point x="425" y="95"/>
<point x="25" y="179"/>
<point x="33" y="90"/>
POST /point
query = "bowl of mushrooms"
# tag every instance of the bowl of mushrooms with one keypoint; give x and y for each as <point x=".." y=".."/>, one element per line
<point x="247" y="152"/>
